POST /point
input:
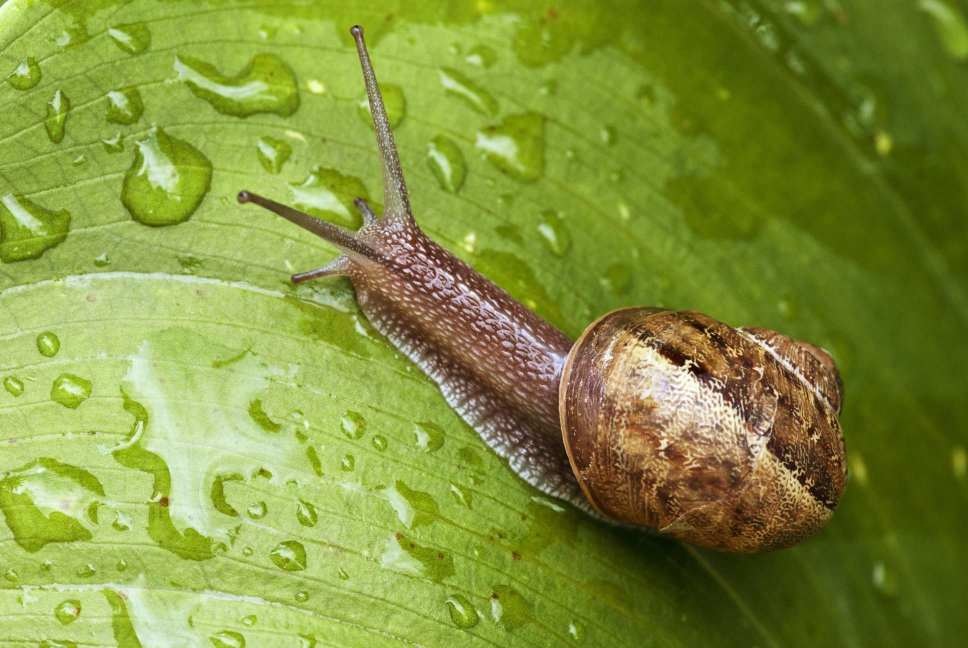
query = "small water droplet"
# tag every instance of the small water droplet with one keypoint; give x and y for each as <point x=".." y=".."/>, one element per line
<point x="509" y="609"/>
<point x="26" y="75"/>
<point x="122" y="521"/>
<point x="227" y="639"/>
<point x="27" y="230"/>
<point x="353" y="424"/>
<point x="413" y="508"/>
<point x="247" y="551"/>
<point x="315" y="86"/>
<point x="302" y="596"/>
<point x="113" y="144"/>
<point x="394" y="101"/>
<point x="167" y="180"/>
<point x="327" y="193"/>
<point x="122" y="565"/>
<point x="462" y="612"/>
<point x="549" y="87"/>
<point x="132" y="38"/>
<point x="125" y="105"/>
<point x="481" y="55"/>
<point x="265" y="85"/>
<point x="341" y="573"/>
<point x="13" y="385"/>
<point x="11" y="576"/>
<point x="55" y="123"/>
<point x="883" y="580"/>
<point x="405" y="556"/>
<point x="554" y="233"/>
<point x="807" y="12"/>
<point x="858" y="468"/>
<point x="347" y="463"/>
<point x="257" y="511"/>
<point x="68" y="611"/>
<point x="607" y="135"/>
<point x="102" y="260"/>
<point x="458" y="85"/>
<point x="461" y="495"/>
<point x="447" y="163"/>
<point x="787" y="307"/>
<point x="515" y="146"/>
<point x="289" y="555"/>
<point x="48" y="344"/>
<point x="306" y="514"/>
<point x="256" y="411"/>
<point x="70" y="390"/>
<point x="959" y="462"/>
<point x="249" y="620"/>
<point x="576" y="631"/>
<point x="86" y="571"/>
<point x="950" y="26"/>
<point x="79" y="160"/>
<point x="883" y="143"/>
<point x="273" y="153"/>
<point x="428" y="436"/>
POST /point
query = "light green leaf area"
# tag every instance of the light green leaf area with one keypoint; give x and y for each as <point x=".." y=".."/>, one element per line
<point x="195" y="452"/>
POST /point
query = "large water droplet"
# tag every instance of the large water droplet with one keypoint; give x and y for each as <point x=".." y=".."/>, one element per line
<point x="58" y="108"/>
<point x="306" y="514"/>
<point x="227" y="639"/>
<point x="289" y="555"/>
<point x="353" y="424"/>
<point x="460" y="86"/>
<point x="329" y="194"/>
<point x="393" y="99"/>
<point x="48" y="344"/>
<point x="13" y="385"/>
<point x="132" y="38"/>
<point x="515" y="146"/>
<point x="407" y="557"/>
<point x="509" y="609"/>
<point x="554" y="233"/>
<point x="413" y="508"/>
<point x="447" y="163"/>
<point x="166" y="181"/>
<point x="26" y="75"/>
<point x="67" y="611"/>
<point x="462" y="612"/>
<point x="265" y="85"/>
<point x="950" y="26"/>
<point x="70" y="390"/>
<point x="428" y="436"/>
<point x="27" y="230"/>
<point x="125" y="106"/>
<point x="273" y="153"/>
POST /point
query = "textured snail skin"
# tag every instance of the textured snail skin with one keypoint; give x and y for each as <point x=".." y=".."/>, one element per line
<point x="725" y="438"/>
<point x="721" y="437"/>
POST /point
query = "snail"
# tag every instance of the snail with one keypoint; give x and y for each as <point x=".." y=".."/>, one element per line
<point x="726" y="438"/>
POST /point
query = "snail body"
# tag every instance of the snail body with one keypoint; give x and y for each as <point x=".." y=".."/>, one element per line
<point x="723" y="437"/>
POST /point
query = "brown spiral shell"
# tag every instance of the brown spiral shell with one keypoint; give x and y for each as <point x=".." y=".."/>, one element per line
<point x="722" y="437"/>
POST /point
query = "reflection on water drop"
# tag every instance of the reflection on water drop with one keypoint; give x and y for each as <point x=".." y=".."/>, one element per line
<point x="306" y="514"/>
<point x="27" y="230"/>
<point x="289" y="555"/>
<point x="227" y="639"/>
<point x="67" y="611"/>
<point x="48" y="344"/>
<point x="273" y="153"/>
<point x="353" y="424"/>
<point x="26" y="75"/>
<point x="132" y="38"/>
<point x="13" y="385"/>
<point x="125" y="105"/>
<point x="413" y="508"/>
<point x="509" y="609"/>
<point x="447" y="163"/>
<point x="70" y="390"/>
<point x="515" y="146"/>
<point x="58" y="108"/>
<point x="167" y="180"/>
<point x="428" y="437"/>
<point x="265" y="85"/>
<point x="554" y="233"/>
<point x="950" y="26"/>
<point x="327" y="193"/>
<point x="462" y="612"/>
<point x="458" y="85"/>
<point x="405" y="556"/>
<point x="394" y="101"/>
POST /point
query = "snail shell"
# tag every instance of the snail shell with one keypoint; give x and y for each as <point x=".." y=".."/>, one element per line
<point x="722" y="437"/>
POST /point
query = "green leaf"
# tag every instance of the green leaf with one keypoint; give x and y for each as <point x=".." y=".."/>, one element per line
<point x="250" y="462"/>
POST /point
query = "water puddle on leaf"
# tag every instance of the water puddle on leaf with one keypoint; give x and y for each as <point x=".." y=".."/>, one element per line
<point x="265" y="85"/>
<point x="273" y="153"/>
<point x="26" y="75"/>
<point x="124" y="106"/>
<point x="516" y="146"/>
<point x="447" y="163"/>
<point x="132" y="38"/>
<point x="405" y="556"/>
<point x="458" y="85"/>
<point x="27" y="230"/>
<point x="327" y="193"/>
<point x="413" y="508"/>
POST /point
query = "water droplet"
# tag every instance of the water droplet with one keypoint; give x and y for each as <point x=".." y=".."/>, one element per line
<point x="576" y="631"/>
<point x="122" y="565"/>
<point x="462" y="612"/>
<point x="347" y="463"/>
<point x="249" y="620"/>
<point x="554" y="233"/>
<point x="265" y="85"/>
<point x="258" y="414"/>
<point x="315" y="86"/>
<point x="68" y="611"/>
<point x="950" y="26"/>
<point x="379" y="442"/>
<point x="341" y="573"/>
<point x="447" y="163"/>
<point x="607" y="135"/>
<point x="306" y="514"/>
<point x="257" y="511"/>
<point x="27" y="230"/>
<point x="461" y="495"/>
<point x="405" y="556"/>
<point x="806" y="12"/>
<point x="57" y="110"/>
<point x="458" y="85"/>
<point x="428" y="436"/>
<point x="48" y="344"/>
<point x="549" y="87"/>
<point x="509" y="609"/>
<point x="858" y="468"/>
<point x="353" y="424"/>
<point x="122" y="521"/>
<point x="413" y="508"/>
<point x="86" y="571"/>
<point x="959" y="462"/>
<point x="247" y="551"/>
<point x="393" y="99"/>
<point x="132" y="38"/>
<point x="787" y="307"/>
<point x="26" y="75"/>
<point x="227" y="639"/>
<point x="113" y="144"/>
<point x="327" y="193"/>
<point x="54" y="643"/>
<point x="314" y="462"/>
<point x="617" y="278"/>
<point x="13" y="385"/>
<point x="289" y="556"/>
<point x="70" y="390"/>
<point x="302" y="596"/>
<point x="11" y="576"/>
<point x="883" y="580"/>
<point x="102" y="260"/>
<point x="125" y="106"/>
<point x="273" y="153"/>
<point x="515" y="146"/>
<point x="167" y="180"/>
<point x="883" y="143"/>
<point x="79" y="160"/>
